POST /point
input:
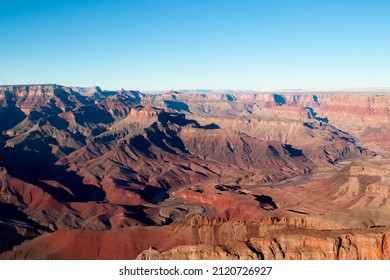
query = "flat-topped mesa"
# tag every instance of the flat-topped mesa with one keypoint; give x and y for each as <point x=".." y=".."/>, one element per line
<point x="87" y="91"/>
<point x="27" y="87"/>
<point x="28" y="97"/>
<point x="146" y="112"/>
<point x="24" y="91"/>
<point x="46" y="89"/>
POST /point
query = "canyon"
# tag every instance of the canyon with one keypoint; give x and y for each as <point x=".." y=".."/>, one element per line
<point x="87" y="173"/>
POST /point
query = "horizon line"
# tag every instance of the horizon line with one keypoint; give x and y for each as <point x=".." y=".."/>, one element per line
<point x="210" y="90"/>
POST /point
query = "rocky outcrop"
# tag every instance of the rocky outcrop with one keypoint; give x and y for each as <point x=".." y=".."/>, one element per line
<point x="204" y="238"/>
<point x="286" y="242"/>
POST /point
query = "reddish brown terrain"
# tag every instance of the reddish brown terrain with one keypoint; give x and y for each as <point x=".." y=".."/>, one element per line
<point x="93" y="174"/>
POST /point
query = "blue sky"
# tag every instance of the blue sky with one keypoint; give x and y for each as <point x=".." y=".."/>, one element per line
<point x="214" y="44"/>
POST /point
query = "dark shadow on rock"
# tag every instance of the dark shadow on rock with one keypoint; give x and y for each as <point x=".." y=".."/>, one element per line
<point x="58" y="122"/>
<point x="279" y="99"/>
<point x="296" y="211"/>
<point x="266" y="202"/>
<point x="64" y="96"/>
<point x="38" y="163"/>
<point x="308" y="125"/>
<point x="138" y="213"/>
<point x="11" y="212"/>
<point x="9" y="237"/>
<point x="226" y="188"/>
<point x="177" y="105"/>
<point x="165" y="136"/>
<point x="92" y="114"/>
<point x="153" y="194"/>
<point x="139" y="144"/>
<point x="230" y="98"/>
<point x="159" y="139"/>
<point x="210" y="126"/>
<point x="273" y="151"/>
<point x="181" y="120"/>
<point x="292" y="151"/>
<point x="72" y="99"/>
<point x="10" y="116"/>
<point x="348" y="139"/>
<point x="313" y="114"/>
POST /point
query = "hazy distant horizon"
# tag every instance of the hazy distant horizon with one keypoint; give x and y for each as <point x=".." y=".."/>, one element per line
<point x="222" y="90"/>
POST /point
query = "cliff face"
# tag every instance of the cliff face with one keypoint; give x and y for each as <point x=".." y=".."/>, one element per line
<point x="233" y="241"/>
<point x="203" y="238"/>
<point x="343" y="247"/>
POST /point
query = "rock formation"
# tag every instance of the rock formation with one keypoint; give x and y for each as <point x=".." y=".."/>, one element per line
<point x="233" y="175"/>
